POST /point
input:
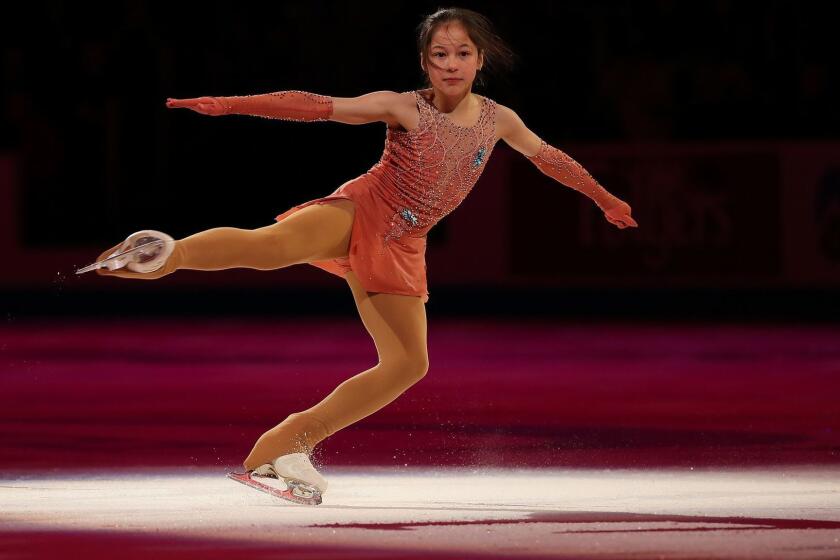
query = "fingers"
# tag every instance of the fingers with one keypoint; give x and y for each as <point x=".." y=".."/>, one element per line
<point x="203" y="105"/>
<point x="623" y="222"/>
<point x="183" y="103"/>
<point x="627" y="221"/>
<point x="625" y="217"/>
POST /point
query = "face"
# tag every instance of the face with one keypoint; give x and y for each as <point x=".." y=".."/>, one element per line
<point x="453" y="59"/>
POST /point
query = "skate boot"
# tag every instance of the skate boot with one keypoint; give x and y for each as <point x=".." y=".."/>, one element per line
<point x="302" y="483"/>
<point x="144" y="251"/>
<point x="299" y="473"/>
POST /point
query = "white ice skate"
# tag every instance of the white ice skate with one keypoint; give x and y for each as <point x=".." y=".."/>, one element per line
<point x="303" y="484"/>
<point x="143" y="251"/>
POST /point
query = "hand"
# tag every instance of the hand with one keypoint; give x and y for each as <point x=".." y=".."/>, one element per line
<point x="204" y="105"/>
<point x="620" y="216"/>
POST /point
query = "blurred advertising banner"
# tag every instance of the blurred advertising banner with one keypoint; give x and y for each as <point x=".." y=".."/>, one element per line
<point x="710" y="214"/>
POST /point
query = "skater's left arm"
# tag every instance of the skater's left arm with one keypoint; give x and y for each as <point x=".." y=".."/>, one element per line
<point x="560" y="166"/>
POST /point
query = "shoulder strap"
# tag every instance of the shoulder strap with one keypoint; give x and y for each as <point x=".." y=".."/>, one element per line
<point x="490" y="114"/>
<point x="422" y="107"/>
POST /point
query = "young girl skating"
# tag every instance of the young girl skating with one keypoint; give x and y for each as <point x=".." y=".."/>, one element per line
<point x="372" y="229"/>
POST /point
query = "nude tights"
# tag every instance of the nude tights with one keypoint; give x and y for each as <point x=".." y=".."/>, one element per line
<point x="397" y="324"/>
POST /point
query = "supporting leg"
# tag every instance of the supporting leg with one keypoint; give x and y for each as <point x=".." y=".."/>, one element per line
<point x="397" y="324"/>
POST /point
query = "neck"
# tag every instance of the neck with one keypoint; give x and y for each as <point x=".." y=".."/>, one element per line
<point x="448" y="103"/>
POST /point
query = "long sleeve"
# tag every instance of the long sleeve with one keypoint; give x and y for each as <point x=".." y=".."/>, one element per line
<point x="290" y="105"/>
<point x="559" y="166"/>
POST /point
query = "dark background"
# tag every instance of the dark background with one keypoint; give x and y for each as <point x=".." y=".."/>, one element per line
<point x="733" y="96"/>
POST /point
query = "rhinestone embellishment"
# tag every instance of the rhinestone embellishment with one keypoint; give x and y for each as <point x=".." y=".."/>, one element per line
<point x="479" y="157"/>
<point x="409" y="216"/>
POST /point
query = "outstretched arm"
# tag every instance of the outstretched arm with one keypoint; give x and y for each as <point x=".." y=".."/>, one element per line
<point x="290" y="105"/>
<point x="561" y="167"/>
<point x="297" y="105"/>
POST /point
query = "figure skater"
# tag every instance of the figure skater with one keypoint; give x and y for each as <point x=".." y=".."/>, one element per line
<point x="372" y="229"/>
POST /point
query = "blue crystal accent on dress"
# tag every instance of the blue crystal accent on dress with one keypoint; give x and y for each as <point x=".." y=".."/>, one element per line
<point x="479" y="156"/>
<point x="409" y="216"/>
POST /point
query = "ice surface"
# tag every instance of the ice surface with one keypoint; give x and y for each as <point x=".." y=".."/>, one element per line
<point x="777" y="512"/>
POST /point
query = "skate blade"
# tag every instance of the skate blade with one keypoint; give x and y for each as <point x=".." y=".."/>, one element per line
<point x="99" y="264"/>
<point x="297" y="491"/>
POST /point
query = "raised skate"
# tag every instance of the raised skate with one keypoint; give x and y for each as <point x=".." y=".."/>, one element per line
<point x="143" y="251"/>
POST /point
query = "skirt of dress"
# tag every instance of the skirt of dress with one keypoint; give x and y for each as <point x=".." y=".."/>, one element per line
<point x="398" y="267"/>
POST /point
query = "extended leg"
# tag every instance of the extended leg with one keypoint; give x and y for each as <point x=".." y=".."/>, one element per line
<point x="317" y="232"/>
<point x="397" y="324"/>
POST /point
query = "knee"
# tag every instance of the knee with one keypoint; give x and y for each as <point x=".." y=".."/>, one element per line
<point x="423" y="366"/>
<point x="412" y="367"/>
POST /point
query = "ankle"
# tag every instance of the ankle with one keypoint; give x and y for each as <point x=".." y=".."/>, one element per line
<point x="175" y="260"/>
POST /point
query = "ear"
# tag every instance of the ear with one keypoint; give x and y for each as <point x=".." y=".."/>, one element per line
<point x="480" y="59"/>
<point x="423" y="63"/>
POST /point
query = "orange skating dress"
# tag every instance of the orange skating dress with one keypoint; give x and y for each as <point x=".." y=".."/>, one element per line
<point x="423" y="175"/>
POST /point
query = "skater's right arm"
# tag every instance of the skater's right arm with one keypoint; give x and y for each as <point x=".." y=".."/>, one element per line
<point x="299" y="106"/>
<point x="292" y="105"/>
